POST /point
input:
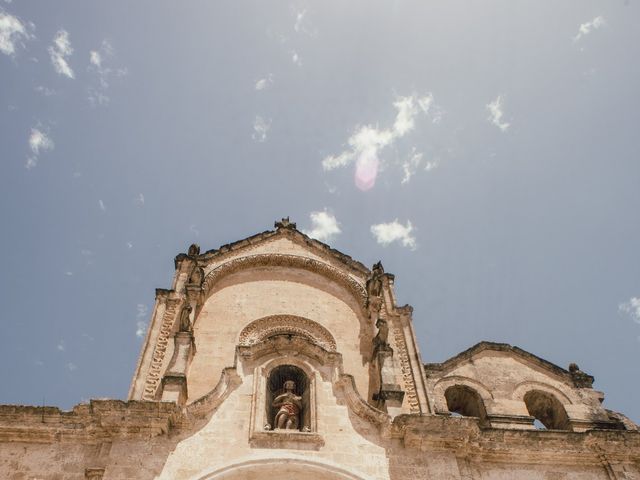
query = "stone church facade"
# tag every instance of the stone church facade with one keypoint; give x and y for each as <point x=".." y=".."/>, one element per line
<point x="279" y="357"/>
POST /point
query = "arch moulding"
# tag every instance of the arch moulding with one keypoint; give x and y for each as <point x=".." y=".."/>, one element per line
<point x="286" y="466"/>
<point x="288" y="261"/>
<point x="261" y="329"/>
<point x="521" y="390"/>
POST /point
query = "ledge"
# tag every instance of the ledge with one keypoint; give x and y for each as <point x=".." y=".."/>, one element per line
<point x="289" y="439"/>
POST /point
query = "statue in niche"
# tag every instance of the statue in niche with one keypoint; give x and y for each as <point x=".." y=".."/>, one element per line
<point x="194" y="250"/>
<point x="185" y="320"/>
<point x="380" y="341"/>
<point x="289" y="405"/>
<point x="374" y="284"/>
<point x="197" y="276"/>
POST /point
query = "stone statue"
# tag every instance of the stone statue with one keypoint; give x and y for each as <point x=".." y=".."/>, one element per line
<point x="197" y="276"/>
<point x="194" y="250"/>
<point x="374" y="284"/>
<point x="380" y="341"/>
<point x="185" y="321"/>
<point x="289" y="405"/>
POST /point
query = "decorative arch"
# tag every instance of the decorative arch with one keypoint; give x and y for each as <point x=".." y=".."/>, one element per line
<point x="288" y="261"/>
<point x="270" y="468"/>
<point x="444" y="383"/>
<point x="522" y="388"/>
<point x="263" y="328"/>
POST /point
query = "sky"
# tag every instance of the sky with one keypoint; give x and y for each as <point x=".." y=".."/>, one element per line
<point x="486" y="152"/>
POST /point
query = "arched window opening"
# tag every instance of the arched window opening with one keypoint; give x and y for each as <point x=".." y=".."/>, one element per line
<point x="287" y="399"/>
<point x="547" y="410"/>
<point x="465" y="401"/>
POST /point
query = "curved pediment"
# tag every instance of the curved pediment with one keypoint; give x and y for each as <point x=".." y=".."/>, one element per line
<point x="263" y="328"/>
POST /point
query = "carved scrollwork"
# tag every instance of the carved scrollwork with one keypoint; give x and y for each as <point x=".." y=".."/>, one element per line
<point x="287" y="261"/>
<point x="263" y="328"/>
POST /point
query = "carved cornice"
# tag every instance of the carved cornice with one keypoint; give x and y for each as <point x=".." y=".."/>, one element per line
<point x="89" y="423"/>
<point x="290" y="344"/>
<point x="263" y="328"/>
<point x="286" y="261"/>
<point x="437" y="432"/>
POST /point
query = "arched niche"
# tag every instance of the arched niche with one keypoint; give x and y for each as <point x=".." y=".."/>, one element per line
<point x="547" y="409"/>
<point x="465" y="401"/>
<point x="288" y="399"/>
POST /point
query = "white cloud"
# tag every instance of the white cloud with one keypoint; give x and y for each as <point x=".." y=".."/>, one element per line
<point x="102" y="206"/>
<point x="38" y="142"/>
<point x="387" y="233"/>
<point x="12" y="33"/>
<point x="59" y="51"/>
<point x="98" y="65"/>
<point x="295" y="58"/>
<point x="95" y="58"/>
<point x="324" y="226"/>
<point x="413" y="163"/>
<point x="496" y="113"/>
<point x="71" y="366"/>
<point x="139" y="199"/>
<point x="299" y="19"/>
<point x="60" y="346"/>
<point x="261" y="127"/>
<point x="264" y="82"/>
<point x="68" y="274"/>
<point x="141" y="324"/>
<point x="46" y="91"/>
<point x="588" y="27"/>
<point x="368" y="140"/>
<point x="631" y="308"/>
<point x="129" y="245"/>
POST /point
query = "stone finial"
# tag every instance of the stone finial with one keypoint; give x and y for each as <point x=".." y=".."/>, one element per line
<point x="580" y="378"/>
<point x="285" y="223"/>
<point x="194" y="250"/>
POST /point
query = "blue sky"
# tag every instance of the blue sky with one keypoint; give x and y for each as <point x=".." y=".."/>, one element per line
<point x="486" y="152"/>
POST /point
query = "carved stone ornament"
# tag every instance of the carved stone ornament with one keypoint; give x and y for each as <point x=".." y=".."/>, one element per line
<point x="185" y="320"/>
<point x="194" y="250"/>
<point x="259" y="330"/>
<point x="285" y="223"/>
<point x="374" y="284"/>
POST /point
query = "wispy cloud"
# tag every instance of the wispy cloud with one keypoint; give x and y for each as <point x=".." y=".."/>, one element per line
<point x="38" y="142"/>
<point x="265" y="82"/>
<point x="59" y="52"/>
<point x="98" y="65"/>
<point x="302" y="24"/>
<point x="102" y="205"/>
<point x="324" y="226"/>
<point x="60" y="346"/>
<point x="367" y="141"/>
<point x="387" y="233"/>
<point x="261" y="128"/>
<point x="72" y="367"/>
<point x="12" y="33"/>
<point x="139" y="200"/>
<point x="295" y="58"/>
<point x="414" y="163"/>
<point x="46" y="91"/>
<point x="588" y="27"/>
<point x="141" y="316"/>
<point x="496" y="114"/>
<point x="631" y="308"/>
